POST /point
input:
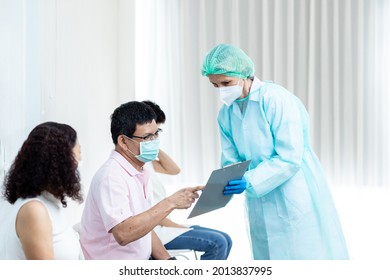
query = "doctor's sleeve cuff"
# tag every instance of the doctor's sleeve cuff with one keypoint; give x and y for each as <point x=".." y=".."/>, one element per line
<point x="261" y="183"/>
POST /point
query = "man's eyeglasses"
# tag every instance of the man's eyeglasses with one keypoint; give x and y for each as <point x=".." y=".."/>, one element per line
<point x="149" y="137"/>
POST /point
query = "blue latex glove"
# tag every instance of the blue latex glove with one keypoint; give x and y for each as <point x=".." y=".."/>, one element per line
<point x="235" y="186"/>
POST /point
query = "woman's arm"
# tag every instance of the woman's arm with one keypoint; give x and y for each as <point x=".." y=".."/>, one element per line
<point x="33" y="226"/>
<point x="169" y="223"/>
<point x="165" y="164"/>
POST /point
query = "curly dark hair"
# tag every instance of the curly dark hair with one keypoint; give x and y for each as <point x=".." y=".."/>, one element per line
<point x="45" y="162"/>
<point x="125" y="118"/>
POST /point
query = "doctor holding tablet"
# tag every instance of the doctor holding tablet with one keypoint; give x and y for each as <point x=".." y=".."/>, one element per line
<point x="290" y="209"/>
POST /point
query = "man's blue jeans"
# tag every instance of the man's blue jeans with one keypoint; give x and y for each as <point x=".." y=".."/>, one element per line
<point x="215" y="244"/>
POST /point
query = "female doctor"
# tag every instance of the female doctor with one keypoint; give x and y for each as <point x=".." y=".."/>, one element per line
<point x="288" y="203"/>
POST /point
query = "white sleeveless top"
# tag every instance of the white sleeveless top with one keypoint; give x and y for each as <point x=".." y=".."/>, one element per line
<point x="65" y="240"/>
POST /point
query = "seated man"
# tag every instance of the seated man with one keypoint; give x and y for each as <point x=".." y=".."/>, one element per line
<point x="118" y="219"/>
<point x="215" y="244"/>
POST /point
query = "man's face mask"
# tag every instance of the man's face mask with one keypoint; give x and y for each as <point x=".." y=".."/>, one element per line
<point x="148" y="150"/>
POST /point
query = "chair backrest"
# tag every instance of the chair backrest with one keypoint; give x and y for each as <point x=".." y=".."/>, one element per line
<point x="77" y="227"/>
<point x="184" y="253"/>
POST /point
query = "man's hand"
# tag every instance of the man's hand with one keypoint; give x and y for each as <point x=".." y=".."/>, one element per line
<point x="184" y="198"/>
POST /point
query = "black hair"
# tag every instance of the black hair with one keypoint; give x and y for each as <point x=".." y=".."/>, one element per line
<point x="159" y="112"/>
<point x="126" y="117"/>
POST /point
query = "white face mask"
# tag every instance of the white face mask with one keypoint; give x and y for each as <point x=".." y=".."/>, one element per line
<point x="230" y="93"/>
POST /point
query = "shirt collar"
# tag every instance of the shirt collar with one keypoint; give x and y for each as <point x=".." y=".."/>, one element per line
<point x="127" y="166"/>
<point x="255" y="89"/>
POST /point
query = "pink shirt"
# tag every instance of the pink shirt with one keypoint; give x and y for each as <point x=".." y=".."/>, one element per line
<point x="118" y="191"/>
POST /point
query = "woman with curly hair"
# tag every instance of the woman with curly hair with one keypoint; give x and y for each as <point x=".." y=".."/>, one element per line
<point x="43" y="174"/>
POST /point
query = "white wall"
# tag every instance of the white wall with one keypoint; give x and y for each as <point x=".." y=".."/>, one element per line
<point x="19" y="75"/>
<point x="59" y="61"/>
<point x="80" y="74"/>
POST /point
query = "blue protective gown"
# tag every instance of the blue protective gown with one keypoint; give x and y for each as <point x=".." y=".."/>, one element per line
<point x="289" y="206"/>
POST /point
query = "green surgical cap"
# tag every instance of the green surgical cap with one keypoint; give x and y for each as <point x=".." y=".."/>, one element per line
<point x="229" y="61"/>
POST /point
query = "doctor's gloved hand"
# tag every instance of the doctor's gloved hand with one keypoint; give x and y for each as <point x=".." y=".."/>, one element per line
<point x="235" y="186"/>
